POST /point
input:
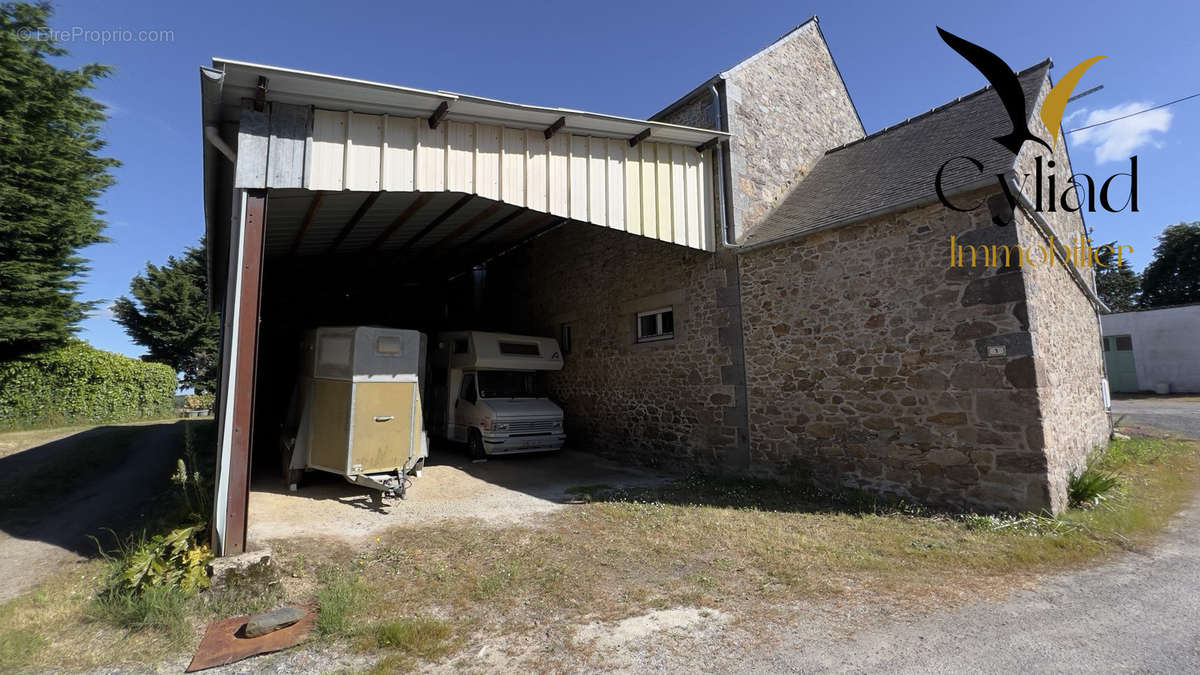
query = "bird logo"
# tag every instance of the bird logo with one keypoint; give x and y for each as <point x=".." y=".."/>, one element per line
<point x="1008" y="88"/>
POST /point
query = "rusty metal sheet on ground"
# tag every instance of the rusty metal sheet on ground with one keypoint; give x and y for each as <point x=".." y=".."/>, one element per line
<point x="223" y="642"/>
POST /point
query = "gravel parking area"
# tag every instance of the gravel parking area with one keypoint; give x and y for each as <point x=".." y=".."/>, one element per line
<point x="1180" y="414"/>
<point x="501" y="491"/>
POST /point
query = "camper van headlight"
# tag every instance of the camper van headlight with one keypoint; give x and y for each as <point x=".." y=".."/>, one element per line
<point x="557" y="424"/>
<point x="500" y="426"/>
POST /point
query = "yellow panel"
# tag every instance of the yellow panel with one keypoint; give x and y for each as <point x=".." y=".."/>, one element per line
<point x="328" y="150"/>
<point x="362" y="166"/>
<point x="398" y="159"/>
<point x="597" y="181"/>
<point x="663" y="191"/>
<point x="431" y="158"/>
<point x="694" y="190"/>
<point x="559" y="170"/>
<point x="579" y="177"/>
<point x="649" y="187"/>
<point x="383" y="425"/>
<point x="616" y="183"/>
<point x="633" y="190"/>
<point x="537" y="158"/>
<point x="487" y="161"/>
<point x="329" y="424"/>
<point x="678" y="196"/>
<point x="512" y="180"/>
<point x="460" y="164"/>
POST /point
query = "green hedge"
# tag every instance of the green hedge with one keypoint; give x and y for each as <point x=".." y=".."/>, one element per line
<point x="79" y="384"/>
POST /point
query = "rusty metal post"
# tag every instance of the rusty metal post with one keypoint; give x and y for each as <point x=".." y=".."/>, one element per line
<point x="240" y="354"/>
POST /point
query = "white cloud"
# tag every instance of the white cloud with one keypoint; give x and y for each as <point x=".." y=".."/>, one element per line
<point x="1118" y="140"/>
<point x="103" y="312"/>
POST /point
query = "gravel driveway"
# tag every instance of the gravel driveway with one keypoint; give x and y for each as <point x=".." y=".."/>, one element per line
<point x="1180" y="414"/>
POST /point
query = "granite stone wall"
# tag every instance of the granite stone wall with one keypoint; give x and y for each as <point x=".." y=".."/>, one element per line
<point x="671" y="403"/>
<point x="868" y="363"/>
<point x="786" y="106"/>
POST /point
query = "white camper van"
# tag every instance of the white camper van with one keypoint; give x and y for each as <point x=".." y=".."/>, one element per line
<point x="487" y="392"/>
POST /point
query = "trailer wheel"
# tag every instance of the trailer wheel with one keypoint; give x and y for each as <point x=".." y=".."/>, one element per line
<point x="475" y="446"/>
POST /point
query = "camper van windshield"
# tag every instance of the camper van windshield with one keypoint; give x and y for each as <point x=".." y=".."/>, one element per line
<point x="509" y="384"/>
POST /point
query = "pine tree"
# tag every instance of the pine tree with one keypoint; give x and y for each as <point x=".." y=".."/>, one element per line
<point x="169" y="316"/>
<point x="1173" y="276"/>
<point x="1116" y="282"/>
<point x="50" y="178"/>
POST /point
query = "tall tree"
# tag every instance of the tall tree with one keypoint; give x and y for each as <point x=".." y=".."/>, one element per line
<point x="169" y="316"/>
<point x="50" y="178"/>
<point x="1116" y="282"/>
<point x="1173" y="276"/>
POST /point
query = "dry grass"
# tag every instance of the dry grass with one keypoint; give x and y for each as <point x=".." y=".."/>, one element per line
<point x="746" y="548"/>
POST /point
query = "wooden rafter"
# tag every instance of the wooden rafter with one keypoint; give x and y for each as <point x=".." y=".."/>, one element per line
<point x="451" y="210"/>
<point x="421" y="200"/>
<point x="305" y="222"/>
<point x="358" y="215"/>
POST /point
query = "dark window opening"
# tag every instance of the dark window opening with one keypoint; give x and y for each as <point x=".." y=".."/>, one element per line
<point x="1124" y="343"/>
<point x="658" y="324"/>
<point x="520" y="348"/>
<point x="564" y="338"/>
<point x="468" y="389"/>
<point x="510" y="384"/>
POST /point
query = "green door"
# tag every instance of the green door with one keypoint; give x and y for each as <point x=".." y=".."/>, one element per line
<point x="1118" y="360"/>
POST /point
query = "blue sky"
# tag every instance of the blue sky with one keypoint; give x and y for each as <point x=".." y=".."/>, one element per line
<point x="625" y="58"/>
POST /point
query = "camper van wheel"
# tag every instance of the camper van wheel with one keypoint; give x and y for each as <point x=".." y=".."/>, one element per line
<point x="475" y="446"/>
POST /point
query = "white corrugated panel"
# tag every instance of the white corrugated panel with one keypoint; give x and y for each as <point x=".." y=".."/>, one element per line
<point x="653" y="189"/>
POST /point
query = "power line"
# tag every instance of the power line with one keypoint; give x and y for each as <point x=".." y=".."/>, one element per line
<point x="1097" y="124"/>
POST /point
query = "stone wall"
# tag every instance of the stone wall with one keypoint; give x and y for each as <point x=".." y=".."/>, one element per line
<point x="784" y="106"/>
<point x="787" y="105"/>
<point x="1064" y="327"/>
<point x="672" y="403"/>
<point x="867" y="363"/>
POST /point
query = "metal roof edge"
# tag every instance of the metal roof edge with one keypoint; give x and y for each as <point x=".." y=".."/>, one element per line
<point x="691" y="134"/>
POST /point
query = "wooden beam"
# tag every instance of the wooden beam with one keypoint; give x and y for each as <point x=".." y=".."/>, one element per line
<point x="260" y="94"/>
<point x="453" y="208"/>
<point x="436" y="118"/>
<point x="313" y="206"/>
<point x="643" y="135"/>
<point x="493" y="227"/>
<point x="241" y="379"/>
<point x="471" y="222"/>
<point x="358" y="215"/>
<point x="421" y="200"/>
<point x="553" y="128"/>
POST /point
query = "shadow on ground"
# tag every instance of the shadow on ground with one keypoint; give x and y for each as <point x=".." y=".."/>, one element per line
<point x="61" y="492"/>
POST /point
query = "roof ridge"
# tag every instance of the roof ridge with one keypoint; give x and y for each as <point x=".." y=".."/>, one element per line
<point x="1046" y="62"/>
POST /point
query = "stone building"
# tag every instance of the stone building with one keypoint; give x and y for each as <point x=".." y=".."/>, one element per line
<point x="830" y="336"/>
<point x="745" y="283"/>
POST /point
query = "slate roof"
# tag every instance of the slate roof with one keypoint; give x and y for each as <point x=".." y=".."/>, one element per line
<point x="897" y="165"/>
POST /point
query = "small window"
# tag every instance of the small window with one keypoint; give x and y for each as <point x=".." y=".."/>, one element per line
<point x="1124" y="343"/>
<point x="389" y="345"/>
<point x="467" y="393"/>
<point x="658" y="324"/>
<point x="520" y="348"/>
<point x="460" y="346"/>
<point x="564" y="338"/>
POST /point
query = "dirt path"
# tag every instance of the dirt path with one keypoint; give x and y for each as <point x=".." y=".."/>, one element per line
<point x="51" y="530"/>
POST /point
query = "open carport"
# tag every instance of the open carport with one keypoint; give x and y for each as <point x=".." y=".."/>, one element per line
<point x="332" y="201"/>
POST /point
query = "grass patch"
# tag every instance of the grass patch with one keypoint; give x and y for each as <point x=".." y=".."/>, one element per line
<point x="422" y="636"/>
<point x="17" y="647"/>
<point x="341" y="596"/>
<point x="749" y="548"/>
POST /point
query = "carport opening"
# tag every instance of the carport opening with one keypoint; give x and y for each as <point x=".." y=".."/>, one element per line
<point x="431" y="262"/>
